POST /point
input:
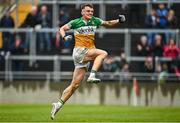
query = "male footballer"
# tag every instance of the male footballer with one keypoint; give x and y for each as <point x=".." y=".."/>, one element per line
<point x="84" y="50"/>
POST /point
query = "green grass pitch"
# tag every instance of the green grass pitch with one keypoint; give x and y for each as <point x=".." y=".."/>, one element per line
<point x="88" y="113"/>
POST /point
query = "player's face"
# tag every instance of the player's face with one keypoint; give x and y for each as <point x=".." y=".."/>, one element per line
<point x="87" y="12"/>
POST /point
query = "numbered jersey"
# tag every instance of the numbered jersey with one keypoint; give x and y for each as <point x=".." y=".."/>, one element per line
<point x="84" y="32"/>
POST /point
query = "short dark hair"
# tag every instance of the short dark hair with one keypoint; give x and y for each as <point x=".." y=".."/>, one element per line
<point x="86" y="4"/>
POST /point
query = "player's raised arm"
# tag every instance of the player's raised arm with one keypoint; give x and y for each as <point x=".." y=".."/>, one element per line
<point x="121" y="19"/>
<point x="62" y="32"/>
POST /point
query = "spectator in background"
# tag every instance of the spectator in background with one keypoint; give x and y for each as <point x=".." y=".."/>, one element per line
<point x="163" y="75"/>
<point x="126" y="75"/>
<point x="142" y="50"/>
<point x="110" y="64"/>
<point x="158" y="69"/>
<point x="123" y="59"/>
<point x="142" y="47"/>
<point x="151" y="22"/>
<point x="172" y="19"/>
<point x="124" y="67"/>
<point x="157" y="48"/>
<point x="172" y="24"/>
<point x="44" y="19"/>
<point x="162" y="13"/>
<point x="174" y="67"/>
<point x="17" y="49"/>
<point x="30" y="22"/>
<point x="148" y="65"/>
<point x="31" y="18"/>
<point x="171" y="50"/>
<point x="7" y="22"/>
<point x="63" y="16"/>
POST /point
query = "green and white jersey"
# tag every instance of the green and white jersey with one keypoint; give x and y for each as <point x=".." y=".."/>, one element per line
<point x="84" y="32"/>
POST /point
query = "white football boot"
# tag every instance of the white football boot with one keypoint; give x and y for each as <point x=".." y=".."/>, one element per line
<point x="93" y="80"/>
<point x="54" y="110"/>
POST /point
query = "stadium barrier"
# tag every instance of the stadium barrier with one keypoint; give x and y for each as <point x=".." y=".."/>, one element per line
<point x="58" y="74"/>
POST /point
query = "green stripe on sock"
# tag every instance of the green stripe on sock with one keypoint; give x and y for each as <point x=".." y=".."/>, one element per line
<point x="93" y="71"/>
<point x="61" y="101"/>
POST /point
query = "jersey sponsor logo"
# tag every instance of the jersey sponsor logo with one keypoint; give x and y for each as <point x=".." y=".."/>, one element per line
<point x="86" y="30"/>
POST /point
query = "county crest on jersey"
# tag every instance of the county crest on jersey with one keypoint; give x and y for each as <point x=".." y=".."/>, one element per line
<point x="84" y="32"/>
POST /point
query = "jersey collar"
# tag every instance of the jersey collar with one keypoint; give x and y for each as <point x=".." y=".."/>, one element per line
<point x="86" y="22"/>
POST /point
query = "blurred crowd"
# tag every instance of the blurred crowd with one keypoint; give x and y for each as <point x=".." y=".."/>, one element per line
<point x="157" y="45"/>
<point x="161" y="18"/>
<point x="156" y="51"/>
<point x="152" y="47"/>
<point x="38" y="18"/>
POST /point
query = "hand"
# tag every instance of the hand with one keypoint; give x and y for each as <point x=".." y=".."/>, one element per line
<point x="67" y="38"/>
<point x="122" y="18"/>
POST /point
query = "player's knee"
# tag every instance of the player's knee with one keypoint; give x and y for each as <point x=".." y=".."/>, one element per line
<point x="104" y="54"/>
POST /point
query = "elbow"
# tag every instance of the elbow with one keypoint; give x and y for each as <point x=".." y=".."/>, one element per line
<point x="61" y="29"/>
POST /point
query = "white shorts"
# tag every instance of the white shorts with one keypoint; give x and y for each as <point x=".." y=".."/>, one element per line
<point x="78" y="57"/>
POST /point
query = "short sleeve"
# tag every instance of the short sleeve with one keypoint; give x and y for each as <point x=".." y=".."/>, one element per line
<point x="71" y="24"/>
<point x="98" y="21"/>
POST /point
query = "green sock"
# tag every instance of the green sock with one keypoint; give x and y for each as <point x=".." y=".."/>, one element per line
<point x="93" y="71"/>
<point x="61" y="102"/>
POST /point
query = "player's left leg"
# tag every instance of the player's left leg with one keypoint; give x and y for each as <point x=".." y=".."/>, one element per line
<point x="78" y="76"/>
<point x="98" y="56"/>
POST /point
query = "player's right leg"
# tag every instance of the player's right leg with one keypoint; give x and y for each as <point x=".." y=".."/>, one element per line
<point x="98" y="56"/>
<point x="78" y="76"/>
